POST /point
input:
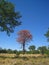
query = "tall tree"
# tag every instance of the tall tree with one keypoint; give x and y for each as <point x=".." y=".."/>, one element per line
<point x="31" y="48"/>
<point x="9" y="19"/>
<point x="24" y="36"/>
<point x="47" y="35"/>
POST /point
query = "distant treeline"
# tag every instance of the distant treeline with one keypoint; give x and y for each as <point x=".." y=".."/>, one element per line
<point x="32" y="50"/>
<point x="7" y="51"/>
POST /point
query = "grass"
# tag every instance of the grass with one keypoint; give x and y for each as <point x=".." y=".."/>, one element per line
<point x="10" y="59"/>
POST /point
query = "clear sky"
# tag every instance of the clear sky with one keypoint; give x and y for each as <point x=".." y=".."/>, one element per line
<point x="35" y="18"/>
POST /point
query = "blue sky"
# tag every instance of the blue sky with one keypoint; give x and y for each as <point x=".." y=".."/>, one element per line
<point x="35" y="18"/>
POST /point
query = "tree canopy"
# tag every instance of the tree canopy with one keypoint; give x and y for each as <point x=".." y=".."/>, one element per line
<point x="31" y="48"/>
<point x="47" y="35"/>
<point x="23" y="37"/>
<point x="9" y="19"/>
<point x="42" y="49"/>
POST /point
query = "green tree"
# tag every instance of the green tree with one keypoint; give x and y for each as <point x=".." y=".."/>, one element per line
<point x="47" y="35"/>
<point x="42" y="49"/>
<point x="15" y="51"/>
<point x="1" y="50"/>
<point x="48" y="47"/>
<point x="31" y="48"/>
<point x="9" y="51"/>
<point x="9" y="19"/>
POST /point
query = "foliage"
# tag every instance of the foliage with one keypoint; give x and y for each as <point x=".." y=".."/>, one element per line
<point x="31" y="48"/>
<point x="32" y="52"/>
<point x="39" y="50"/>
<point x="47" y="35"/>
<point x="9" y="19"/>
<point x="8" y="51"/>
<point x="3" y="51"/>
<point x="24" y="36"/>
<point x="42" y="49"/>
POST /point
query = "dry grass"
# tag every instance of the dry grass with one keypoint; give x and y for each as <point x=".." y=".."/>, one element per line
<point x="21" y="55"/>
<point x="9" y="59"/>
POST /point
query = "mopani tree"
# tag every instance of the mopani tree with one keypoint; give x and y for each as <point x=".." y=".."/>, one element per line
<point x="24" y="36"/>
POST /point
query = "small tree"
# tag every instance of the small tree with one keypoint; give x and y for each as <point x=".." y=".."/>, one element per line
<point x="31" y="48"/>
<point x="42" y="49"/>
<point x="24" y="36"/>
